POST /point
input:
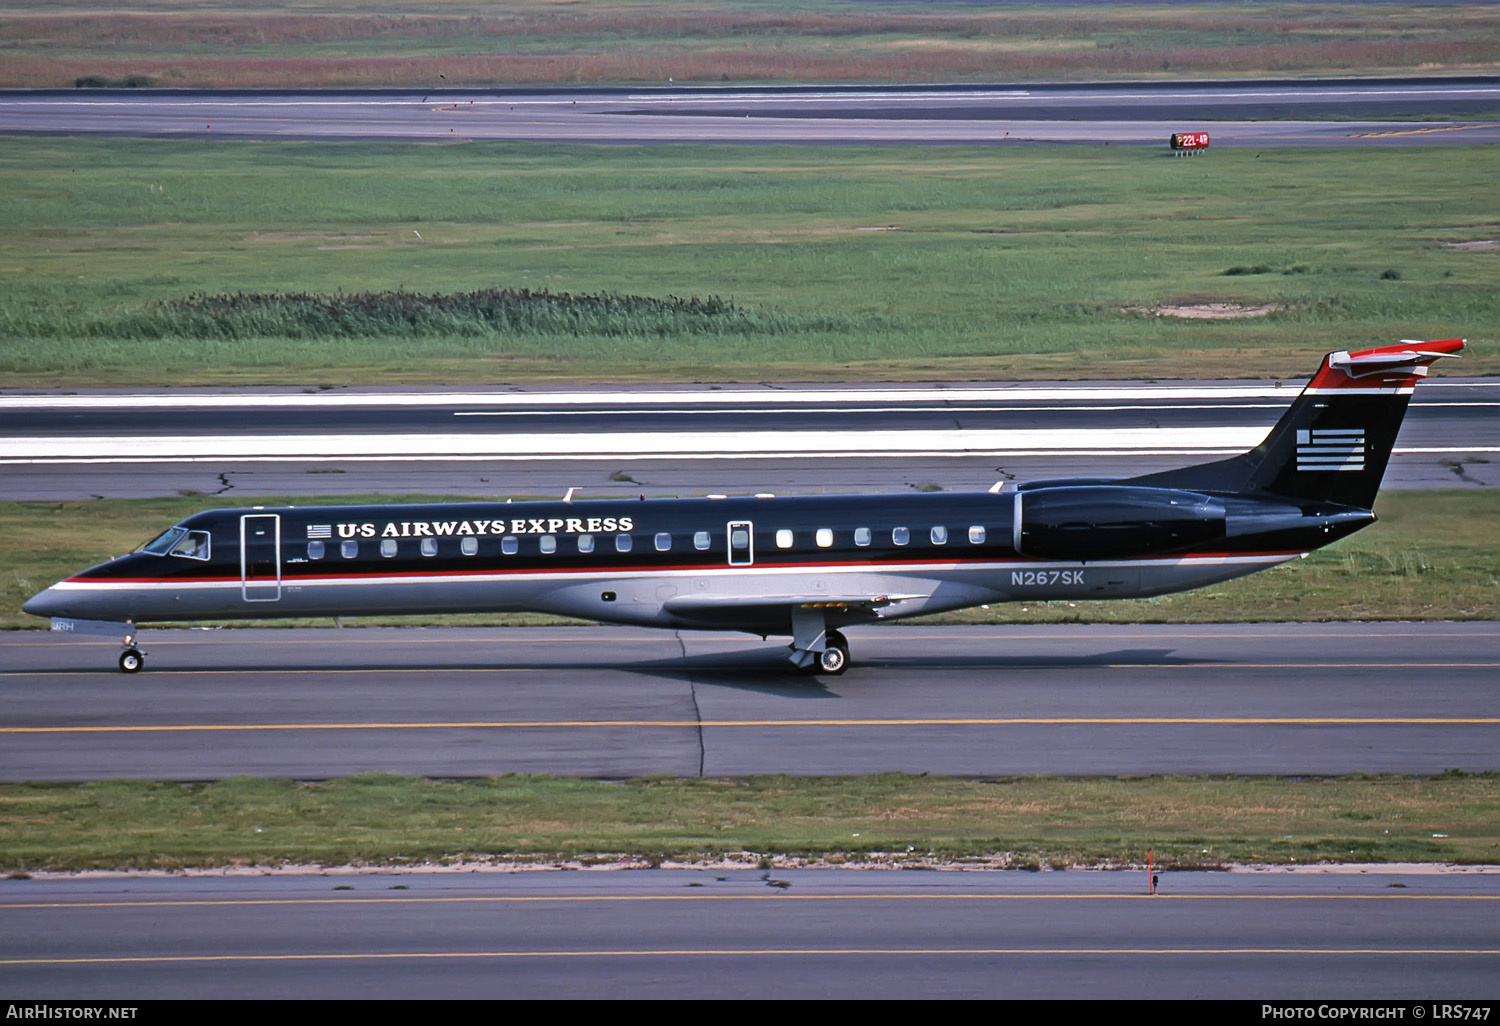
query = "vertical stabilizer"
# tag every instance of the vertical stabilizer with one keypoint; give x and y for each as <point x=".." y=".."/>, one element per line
<point x="1334" y="441"/>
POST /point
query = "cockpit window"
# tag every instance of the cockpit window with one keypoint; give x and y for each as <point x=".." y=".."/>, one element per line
<point x="162" y="543"/>
<point x="194" y="546"/>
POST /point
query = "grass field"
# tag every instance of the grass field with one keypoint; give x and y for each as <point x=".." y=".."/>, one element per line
<point x="432" y="43"/>
<point x="849" y="262"/>
<point x="1024" y="822"/>
<point x="1432" y="556"/>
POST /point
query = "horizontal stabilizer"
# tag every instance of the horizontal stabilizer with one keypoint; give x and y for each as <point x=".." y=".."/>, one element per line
<point x="1397" y="366"/>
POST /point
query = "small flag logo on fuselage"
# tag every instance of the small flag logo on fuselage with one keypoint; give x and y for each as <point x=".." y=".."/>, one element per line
<point x="319" y="531"/>
<point x="1331" y="449"/>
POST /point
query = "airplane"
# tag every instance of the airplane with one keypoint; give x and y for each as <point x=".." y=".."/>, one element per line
<point x="798" y="566"/>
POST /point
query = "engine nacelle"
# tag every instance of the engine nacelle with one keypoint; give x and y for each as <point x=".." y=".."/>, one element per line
<point x="1112" y="521"/>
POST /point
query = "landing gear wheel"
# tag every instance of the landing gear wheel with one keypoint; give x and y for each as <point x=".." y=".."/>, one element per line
<point x="131" y="660"/>
<point x="834" y="659"/>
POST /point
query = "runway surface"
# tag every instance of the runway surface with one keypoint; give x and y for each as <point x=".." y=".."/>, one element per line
<point x="1288" y="113"/>
<point x="609" y="702"/>
<point x="685" y="440"/>
<point x="736" y="933"/>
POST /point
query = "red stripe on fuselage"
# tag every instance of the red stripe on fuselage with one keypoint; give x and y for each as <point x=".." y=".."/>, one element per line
<point x="629" y="570"/>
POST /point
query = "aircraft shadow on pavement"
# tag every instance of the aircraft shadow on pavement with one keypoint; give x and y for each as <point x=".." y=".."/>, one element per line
<point x="1000" y="661"/>
<point x="768" y="671"/>
<point x="761" y="668"/>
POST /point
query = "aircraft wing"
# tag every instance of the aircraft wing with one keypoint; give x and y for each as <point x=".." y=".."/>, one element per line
<point x="761" y="614"/>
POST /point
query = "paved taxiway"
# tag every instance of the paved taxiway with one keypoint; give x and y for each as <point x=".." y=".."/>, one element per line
<point x="684" y="440"/>
<point x="1119" y="113"/>
<point x="738" y="933"/>
<point x="624" y="702"/>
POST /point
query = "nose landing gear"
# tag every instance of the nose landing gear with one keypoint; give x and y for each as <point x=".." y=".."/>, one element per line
<point x="132" y="660"/>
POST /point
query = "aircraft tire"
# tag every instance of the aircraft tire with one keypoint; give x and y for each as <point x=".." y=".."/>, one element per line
<point x="131" y="660"/>
<point x="834" y="659"/>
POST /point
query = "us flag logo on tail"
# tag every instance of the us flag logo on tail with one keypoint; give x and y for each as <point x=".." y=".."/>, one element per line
<point x="1331" y="449"/>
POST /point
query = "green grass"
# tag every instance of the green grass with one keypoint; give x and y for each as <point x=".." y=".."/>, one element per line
<point x="1004" y="262"/>
<point x="1026" y="822"/>
<point x="1432" y="556"/>
<point x="494" y="314"/>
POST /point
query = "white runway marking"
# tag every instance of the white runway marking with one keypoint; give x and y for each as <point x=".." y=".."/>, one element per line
<point x="849" y="98"/>
<point x="723" y="397"/>
<point x="644" y="444"/>
<point x="700" y="445"/>
<point x="661" y="397"/>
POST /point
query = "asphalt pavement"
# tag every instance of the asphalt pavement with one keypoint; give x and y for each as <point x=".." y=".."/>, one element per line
<point x="1382" y="112"/>
<point x="687" y="441"/>
<point x="1407" y="939"/>
<point x="613" y="702"/>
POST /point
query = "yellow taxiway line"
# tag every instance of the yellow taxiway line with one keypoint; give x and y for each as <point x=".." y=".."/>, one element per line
<point x="1007" y="721"/>
<point x="728" y="952"/>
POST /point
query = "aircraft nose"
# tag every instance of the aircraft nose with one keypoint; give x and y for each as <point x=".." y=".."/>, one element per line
<point x="43" y="603"/>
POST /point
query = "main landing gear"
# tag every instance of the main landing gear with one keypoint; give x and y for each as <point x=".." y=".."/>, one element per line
<point x="834" y="659"/>
<point x="815" y="648"/>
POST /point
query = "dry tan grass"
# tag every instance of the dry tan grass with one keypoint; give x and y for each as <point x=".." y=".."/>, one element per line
<point x="1210" y="311"/>
<point x="427" y="43"/>
<point x="934" y="63"/>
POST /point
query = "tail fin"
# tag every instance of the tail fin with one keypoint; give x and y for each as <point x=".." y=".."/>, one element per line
<point x="1333" y="443"/>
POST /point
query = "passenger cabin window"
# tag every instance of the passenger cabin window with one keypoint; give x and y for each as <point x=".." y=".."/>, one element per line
<point x="314" y="550"/>
<point x="663" y="541"/>
<point x="349" y="549"/>
<point x="388" y="547"/>
<point x="940" y="536"/>
<point x="824" y="537"/>
<point x="900" y="536"/>
<point x="585" y="543"/>
<point x="783" y="539"/>
<point x="700" y="540"/>
<point x="509" y="545"/>
<point x="976" y="535"/>
<point x="469" y="546"/>
<point x="861" y="536"/>
<point x="622" y="543"/>
<point x="548" y="543"/>
<point x="429" y="546"/>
